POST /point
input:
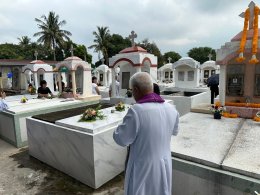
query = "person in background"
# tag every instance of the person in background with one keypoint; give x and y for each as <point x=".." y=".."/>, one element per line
<point x="147" y="128"/>
<point x="214" y="92"/>
<point x="95" y="89"/>
<point x="3" y="103"/>
<point x="156" y="89"/>
<point x="117" y="88"/>
<point x="43" y="90"/>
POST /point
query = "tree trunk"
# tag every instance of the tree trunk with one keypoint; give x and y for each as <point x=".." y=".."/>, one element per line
<point x="54" y="48"/>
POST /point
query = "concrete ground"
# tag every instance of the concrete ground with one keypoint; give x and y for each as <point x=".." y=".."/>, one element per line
<point x="21" y="174"/>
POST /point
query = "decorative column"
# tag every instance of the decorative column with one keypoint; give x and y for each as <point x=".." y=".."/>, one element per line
<point x="59" y="82"/>
<point x="87" y="86"/>
<point x="35" y="80"/>
<point x="105" y="79"/>
<point x="222" y="84"/>
<point x="113" y="94"/>
<point x="74" y="87"/>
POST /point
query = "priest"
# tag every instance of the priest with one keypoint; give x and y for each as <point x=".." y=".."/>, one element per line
<point x="147" y="129"/>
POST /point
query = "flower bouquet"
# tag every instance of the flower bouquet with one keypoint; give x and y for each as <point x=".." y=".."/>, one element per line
<point x="257" y="117"/>
<point x="217" y="111"/>
<point x="129" y="93"/>
<point x="91" y="115"/>
<point x="24" y="100"/>
<point x="120" y="107"/>
<point x="32" y="90"/>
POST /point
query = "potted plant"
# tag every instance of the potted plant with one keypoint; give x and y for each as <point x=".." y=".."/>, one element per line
<point x="217" y="111"/>
<point x="129" y="93"/>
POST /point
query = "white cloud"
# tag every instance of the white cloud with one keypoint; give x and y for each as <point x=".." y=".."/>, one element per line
<point x="175" y="25"/>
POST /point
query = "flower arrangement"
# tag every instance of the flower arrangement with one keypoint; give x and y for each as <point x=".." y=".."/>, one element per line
<point x="120" y="107"/>
<point x="229" y="115"/>
<point x="241" y="58"/>
<point x="129" y="93"/>
<point x="24" y="100"/>
<point x="253" y="59"/>
<point x="32" y="90"/>
<point x="257" y="117"/>
<point x="92" y="114"/>
<point x="249" y="105"/>
<point x="217" y="111"/>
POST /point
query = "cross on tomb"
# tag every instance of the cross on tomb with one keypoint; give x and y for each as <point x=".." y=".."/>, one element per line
<point x="210" y="56"/>
<point x="132" y="37"/>
<point x="103" y="60"/>
<point x="71" y="50"/>
<point x="252" y="10"/>
<point x="36" y="55"/>
<point x="169" y="59"/>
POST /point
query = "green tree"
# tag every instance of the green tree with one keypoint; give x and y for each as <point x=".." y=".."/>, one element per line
<point x="153" y="49"/>
<point x="9" y="51"/>
<point x="24" y="40"/>
<point x="171" y="54"/>
<point x="116" y="43"/>
<point x="101" y="42"/>
<point x="78" y="50"/>
<point x="51" y="33"/>
<point x="201" y="54"/>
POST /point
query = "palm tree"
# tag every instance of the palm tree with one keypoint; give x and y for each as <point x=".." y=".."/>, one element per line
<point x="51" y="34"/>
<point x="101" y="41"/>
<point x="24" y="40"/>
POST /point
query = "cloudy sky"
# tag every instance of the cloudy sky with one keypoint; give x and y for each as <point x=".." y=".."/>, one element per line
<point x="174" y="25"/>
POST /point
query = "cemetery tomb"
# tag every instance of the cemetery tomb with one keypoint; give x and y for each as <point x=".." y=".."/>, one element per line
<point x="13" y="127"/>
<point x="103" y="74"/>
<point x="131" y="60"/>
<point x="94" y="158"/>
<point x="79" y="79"/>
<point x="239" y="69"/>
<point x="35" y="72"/>
<point x="165" y="73"/>
<point x="187" y="73"/>
<point x="208" y="69"/>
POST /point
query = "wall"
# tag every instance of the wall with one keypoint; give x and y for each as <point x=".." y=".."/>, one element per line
<point x="194" y="179"/>
<point x="184" y="104"/>
<point x="249" y="82"/>
<point x="186" y="83"/>
<point x="125" y="68"/>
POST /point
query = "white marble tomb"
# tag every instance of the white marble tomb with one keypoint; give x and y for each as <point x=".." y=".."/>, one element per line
<point x="83" y="150"/>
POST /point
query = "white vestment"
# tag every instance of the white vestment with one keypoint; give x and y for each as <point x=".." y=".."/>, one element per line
<point x="147" y="129"/>
<point x="3" y="105"/>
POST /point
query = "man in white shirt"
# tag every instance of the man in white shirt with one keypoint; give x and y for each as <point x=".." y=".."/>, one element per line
<point x="95" y="90"/>
<point x="117" y="88"/>
<point x="147" y="129"/>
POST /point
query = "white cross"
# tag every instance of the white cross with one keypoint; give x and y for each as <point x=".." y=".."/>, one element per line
<point x="132" y="37"/>
<point x="252" y="14"/>
<point x="102" y="60"/>
<point x="210" y="56"/>
<point x="36" y="55"/>
<point x="71" y="50"/>
<point x="169" y="59"/>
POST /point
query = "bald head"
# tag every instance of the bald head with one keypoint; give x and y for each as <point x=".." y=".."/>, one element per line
<point x="141" y="84"/>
